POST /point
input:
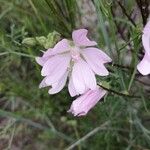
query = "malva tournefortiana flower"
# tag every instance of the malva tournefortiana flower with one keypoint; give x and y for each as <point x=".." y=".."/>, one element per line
<point x="144" y="66"/>
<point x="76" y="59"/>
<point x="85" y="102"/>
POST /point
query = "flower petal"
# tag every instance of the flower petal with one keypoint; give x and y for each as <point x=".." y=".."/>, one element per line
<point x="54" y="63"/>
<point x="144" y="66"/>
<point x="85" y="102"/>
<point x="61" y="47"/>
<point x="51" y="64"/>
<point x="43" y="84"/>
<point x="42" y="60"/>
<point x="48" y="53"/>
<point x="80" y="38"/>
<point x="146" y="42"/>
<point x="58" y="86"/>
<point x="97" y="54"/>
<point x="58" y="70"/>
<point x="71" y="88"/>
<point x="146" y="29"/>
<point x="75" y="106"/>
<point x="96" y="59"/>
<point x="83" y="77"/>
<point x="91" y="101"/>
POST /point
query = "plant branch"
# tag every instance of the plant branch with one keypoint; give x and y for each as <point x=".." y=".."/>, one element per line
<point x="125" y="12"/>
<point x="88" y="135"/>
<point x="117" y="93"/>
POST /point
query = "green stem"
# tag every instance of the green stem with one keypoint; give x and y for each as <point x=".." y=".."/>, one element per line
<point x="118" y="93"/>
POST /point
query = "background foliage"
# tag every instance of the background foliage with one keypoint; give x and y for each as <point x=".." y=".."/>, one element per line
<point x="32" y="119"/>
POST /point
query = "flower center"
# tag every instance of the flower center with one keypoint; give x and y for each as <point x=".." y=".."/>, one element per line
<point x="75" y="54"/>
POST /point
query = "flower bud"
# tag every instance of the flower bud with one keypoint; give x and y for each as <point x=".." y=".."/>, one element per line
<point x="41" y="40"/>
<point x="29" y="41"/>
<point x="52" y="39"/>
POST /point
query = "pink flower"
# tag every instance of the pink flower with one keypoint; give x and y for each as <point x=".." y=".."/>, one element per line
<point x="76" y="59"/>
<point x="144" y="66"/>
<point x="85" y="102"/>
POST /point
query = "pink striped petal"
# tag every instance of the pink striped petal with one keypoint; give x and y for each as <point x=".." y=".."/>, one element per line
<point x="96" y="59"/>
<point x="144" y="66"/>
<point x="83" y="77"/>
<point x="58" y="86"/>
<point x="95" y="53"/>
<point x="82" y="105"/>
<point x="48" y="53"/>
<point x="75" y="106"/>
<point x="51" y="64"/>
<point x="43" y="84"/>
<point x="80" y="38"/>
<point x="71" y="88"/>
<point x="54" y="63"/>
<point x="41" y="60"/>
<point x="60" y="47"/>
<point x="146" y="42"/>
<point x="58" y="70"/>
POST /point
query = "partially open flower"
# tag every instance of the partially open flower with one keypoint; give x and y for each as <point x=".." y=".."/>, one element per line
<point x="85" y="102"/>
<point x="76" y="59"/>
<point x="144" y="66"/>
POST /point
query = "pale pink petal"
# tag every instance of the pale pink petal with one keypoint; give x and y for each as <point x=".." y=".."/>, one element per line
<point x="76" y="104"/>
<point x="146" y="42"/>
<point x="83" y="77"/>
<point x="91" y="101"/>
<point x="95" y="53"/>
<point x="78" y="80"/>
<point x="71" y="88"/>
<point x="61" y="47"/>
<point x="96" y="59"/>
<point x="85" y="102"/>
<point x="58" y="70"/>
<point x="58" y="86"/>
<point x="54" y="63"/>
<point x="80" y="38"/>
<point x="48" y="53"/>
<point x="99" y="69"/>
<point x="51" y="64"/>
<point x="144" y="66"/>
<point x="41" y="60"/>
<point x="43" y="84"/>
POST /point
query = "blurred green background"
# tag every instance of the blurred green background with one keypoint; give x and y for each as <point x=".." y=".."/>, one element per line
<point x="30" y="118"/>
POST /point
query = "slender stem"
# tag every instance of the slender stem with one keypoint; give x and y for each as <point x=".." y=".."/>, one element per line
<point x="130" y="41"/>
<point x="118" y="25"/>
<point x="78" y="137"/>
<point x="4" y="53"/>
<point x="88" y="135"/>
<point x="37" y="14"/>
<point x="132" y="79"/>
<point x="59" y="16"/>
<point x="21" y="54"/>
<point x="118" y="93"/>
<point x="125" y="12"/>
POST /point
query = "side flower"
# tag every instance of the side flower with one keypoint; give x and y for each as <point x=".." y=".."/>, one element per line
<point x="82" y="105"/>
<point x="144" y="66"/>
